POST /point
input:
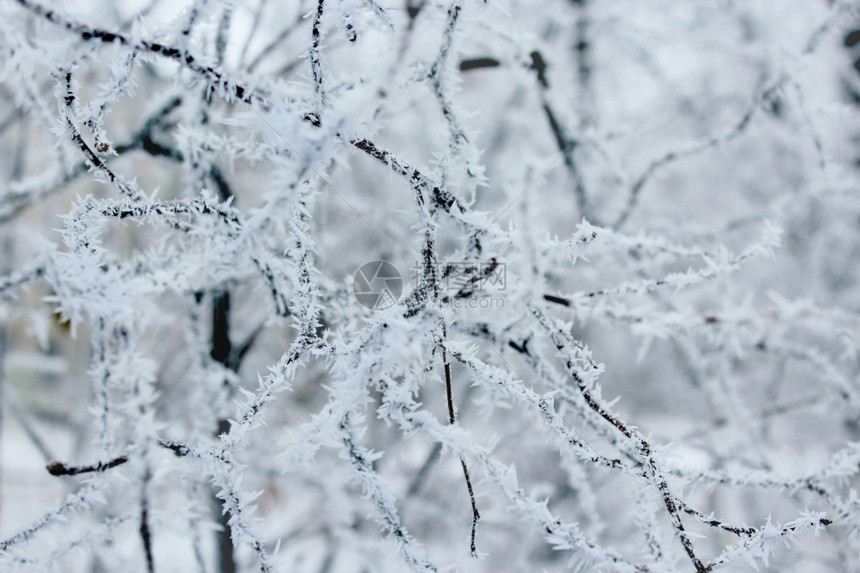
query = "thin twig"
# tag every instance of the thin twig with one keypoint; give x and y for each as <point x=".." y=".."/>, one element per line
<point x="452" y="420"/>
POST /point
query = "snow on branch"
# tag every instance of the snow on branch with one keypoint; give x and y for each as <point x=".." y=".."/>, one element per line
<point x="346" y="285"/>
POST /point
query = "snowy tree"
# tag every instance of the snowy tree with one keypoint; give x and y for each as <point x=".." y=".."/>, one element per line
<point x="372" y="285"/>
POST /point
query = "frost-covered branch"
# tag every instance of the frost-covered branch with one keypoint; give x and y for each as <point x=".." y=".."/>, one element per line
<point x="276" y="285"/>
